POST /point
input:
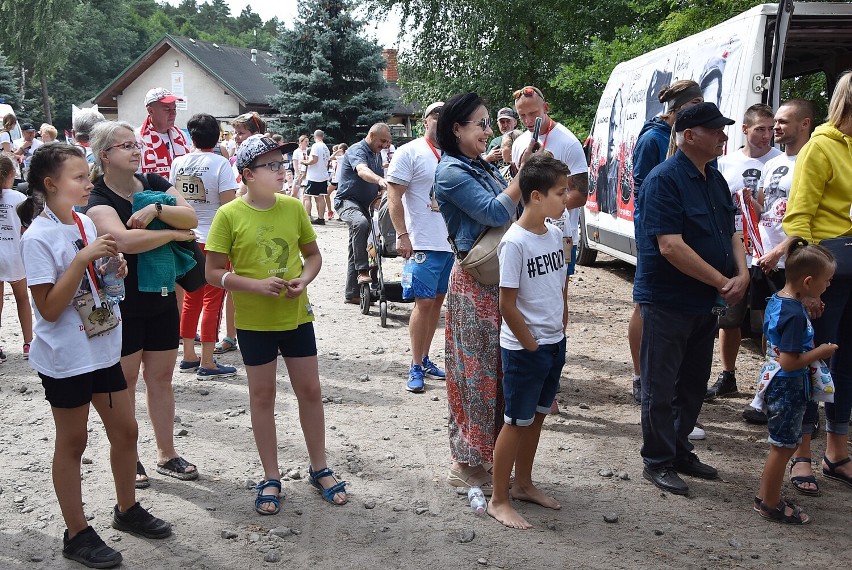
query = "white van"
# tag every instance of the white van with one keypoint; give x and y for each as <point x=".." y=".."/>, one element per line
<point x="737" y="63"/>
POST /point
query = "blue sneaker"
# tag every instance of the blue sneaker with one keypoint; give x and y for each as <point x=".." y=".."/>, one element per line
<point x="187" y="366"/>
<point x="415" y="379"/>
<point x="431" y="369"/>
<point x="218" y="372"/>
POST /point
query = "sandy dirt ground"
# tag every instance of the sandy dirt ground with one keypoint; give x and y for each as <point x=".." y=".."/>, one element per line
<point x="391" y="446"/>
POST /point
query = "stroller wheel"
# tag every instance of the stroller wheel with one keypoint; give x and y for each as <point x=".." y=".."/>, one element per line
<point x="365" y="299"/>
<point x="383" y="314"/>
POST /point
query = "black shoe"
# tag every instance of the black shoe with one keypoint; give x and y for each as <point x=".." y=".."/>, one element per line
<point x="318" y="222"/>
<point x="637" y="390"/>
<point x="726" y="385"/>
<point x="752" y="416"/>
<point x="88" y="549"/>
<point x="139" y="521"/>
<point x="691" y="465"/>
<point x="666" y="479"/>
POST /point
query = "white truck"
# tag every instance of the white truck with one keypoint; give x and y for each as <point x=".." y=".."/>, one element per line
<point x="737" y="63"/>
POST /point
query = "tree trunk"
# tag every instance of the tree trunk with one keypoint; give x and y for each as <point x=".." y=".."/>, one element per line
<point x="45" y="102"/>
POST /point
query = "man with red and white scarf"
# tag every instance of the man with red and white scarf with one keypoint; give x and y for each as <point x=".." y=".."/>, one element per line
<point x="161" y="140"/>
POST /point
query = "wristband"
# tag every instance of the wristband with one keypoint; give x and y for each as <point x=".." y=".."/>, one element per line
<point x="402" y="234"/>
<point x="224" y="275"/>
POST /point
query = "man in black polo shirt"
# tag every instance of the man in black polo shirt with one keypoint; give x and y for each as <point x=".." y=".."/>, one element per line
<point x="690" y="266"/>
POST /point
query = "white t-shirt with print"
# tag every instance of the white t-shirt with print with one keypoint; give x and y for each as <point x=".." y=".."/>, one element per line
<point x="776" y="182"/>
<point x="318" y="171"/>
<point x="564" y="146"/>
<point x="741" y="171"/>
<point x="413" y="166"/>
<point x="61" y="349"/>
<point x="11" y="265"/>
<point x="199" y="177"/>
<point x="534" y="265"/>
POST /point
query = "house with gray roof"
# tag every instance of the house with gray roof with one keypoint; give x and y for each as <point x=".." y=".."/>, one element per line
<point x="223" y="81"/>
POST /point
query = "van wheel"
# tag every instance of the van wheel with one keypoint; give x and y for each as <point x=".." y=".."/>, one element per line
<point x="586" y="256"/>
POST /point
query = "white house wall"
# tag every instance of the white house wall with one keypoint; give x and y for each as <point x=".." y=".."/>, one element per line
<point x="202" y="94"/>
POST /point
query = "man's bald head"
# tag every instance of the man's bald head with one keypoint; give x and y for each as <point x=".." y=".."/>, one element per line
<point x="378" y="137"/>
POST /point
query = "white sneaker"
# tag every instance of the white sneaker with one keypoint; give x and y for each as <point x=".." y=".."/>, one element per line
<point x="697" y="433"/>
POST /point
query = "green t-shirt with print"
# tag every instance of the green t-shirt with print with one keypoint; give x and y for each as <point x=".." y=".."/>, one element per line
<point x="261" y="244"/>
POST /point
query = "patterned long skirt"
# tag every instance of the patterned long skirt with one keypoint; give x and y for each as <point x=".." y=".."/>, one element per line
<point x="474" y="371"/>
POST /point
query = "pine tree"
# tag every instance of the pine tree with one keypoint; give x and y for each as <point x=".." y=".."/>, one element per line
<point x="329" y="74"/>
<point x="8" y="90"/>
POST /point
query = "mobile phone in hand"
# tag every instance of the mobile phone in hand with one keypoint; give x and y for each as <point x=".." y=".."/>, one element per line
<point x="537" y="128"/>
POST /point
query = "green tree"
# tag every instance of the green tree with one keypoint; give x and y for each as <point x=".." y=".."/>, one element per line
<point x="8" y="90"/>
<point x="329" y="75"/>
<point x="35" y="36"/>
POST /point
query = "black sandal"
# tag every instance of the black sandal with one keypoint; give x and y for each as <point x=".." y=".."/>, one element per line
<point x="798" y="480"/>
<point x="140" y="472"/>
<point x="777" y="514"/>
<point x="178" y="467"/>
<point x="832" y="473"/>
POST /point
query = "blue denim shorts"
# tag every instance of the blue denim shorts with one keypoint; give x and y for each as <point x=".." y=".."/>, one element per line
<point x="530" y="381"/>
<point x="430" y="274"/>
<point x="785" y="398"/>
<point x="572" y="265"/>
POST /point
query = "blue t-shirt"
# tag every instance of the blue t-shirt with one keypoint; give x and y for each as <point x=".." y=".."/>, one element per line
<point x="677" y="199"/>
<point x="787" y="329"/>
<point x="350" y="186"/>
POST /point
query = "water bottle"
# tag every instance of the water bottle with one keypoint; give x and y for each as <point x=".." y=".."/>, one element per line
<point x="113" y="284"/>
<point x="406" y="273"/>
<point x="477" y="501"/>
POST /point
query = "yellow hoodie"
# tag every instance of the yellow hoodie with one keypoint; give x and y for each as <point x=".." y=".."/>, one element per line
<point x="821" y="194"/>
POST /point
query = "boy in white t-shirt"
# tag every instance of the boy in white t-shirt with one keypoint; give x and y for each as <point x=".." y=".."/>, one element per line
<point x="532" y="335"/>
<point x="317" y="176"/>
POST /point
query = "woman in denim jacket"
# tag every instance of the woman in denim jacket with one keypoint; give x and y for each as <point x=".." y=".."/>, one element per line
<point x="472" y="197"/>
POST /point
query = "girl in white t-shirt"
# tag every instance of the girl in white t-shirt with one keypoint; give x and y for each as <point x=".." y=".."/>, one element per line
<point x="11" y="264"/>
<point x="77" y="348"/>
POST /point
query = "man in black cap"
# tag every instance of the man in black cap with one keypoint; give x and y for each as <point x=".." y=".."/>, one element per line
<point x="507" y="120"/>
<point x="25" y="147"/>
<point x="690" y="265"/>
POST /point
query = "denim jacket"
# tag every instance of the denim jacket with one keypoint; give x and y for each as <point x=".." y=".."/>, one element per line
<point x="470" y="195"/>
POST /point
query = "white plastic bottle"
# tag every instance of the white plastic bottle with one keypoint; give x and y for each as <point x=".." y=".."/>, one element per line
<point x="113" y="284"/>
<point x="477" y="501"/>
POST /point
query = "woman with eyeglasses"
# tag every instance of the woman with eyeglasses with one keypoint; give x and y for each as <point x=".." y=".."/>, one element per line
<point x="150" y="321"/>
<point x="472" y="196"/>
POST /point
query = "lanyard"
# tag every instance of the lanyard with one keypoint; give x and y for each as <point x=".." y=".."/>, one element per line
<point x="547" y="134"/>
<point x="434" y="150"/>
<point x="90" y="269"/>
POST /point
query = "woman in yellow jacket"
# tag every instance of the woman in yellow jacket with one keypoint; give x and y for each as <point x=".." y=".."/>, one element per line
<point x="819" y="211"/>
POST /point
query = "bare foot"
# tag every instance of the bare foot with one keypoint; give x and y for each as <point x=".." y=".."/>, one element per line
<point x="531" y="494"/>
<point x="269" y="506"/>
<point x="507" y="516"/>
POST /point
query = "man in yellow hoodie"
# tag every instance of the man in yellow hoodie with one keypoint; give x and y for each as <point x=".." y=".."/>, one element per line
<point x="819" y="211"/>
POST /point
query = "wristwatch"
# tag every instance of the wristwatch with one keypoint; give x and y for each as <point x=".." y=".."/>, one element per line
<point x="159" y="208"/>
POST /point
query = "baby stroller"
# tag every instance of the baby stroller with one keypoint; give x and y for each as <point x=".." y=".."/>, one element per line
<point x="382" y="246"/>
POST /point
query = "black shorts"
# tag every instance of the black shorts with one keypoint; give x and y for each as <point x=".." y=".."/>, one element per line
<point x="262" y="347"/>
<point x="316" y="188"/>
<point x="763" y="286"/>
<point x="159" y="331"/>
<point x="76" y="391"/>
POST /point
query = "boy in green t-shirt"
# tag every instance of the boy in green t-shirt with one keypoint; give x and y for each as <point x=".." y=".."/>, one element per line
<point x="263" y="234"/>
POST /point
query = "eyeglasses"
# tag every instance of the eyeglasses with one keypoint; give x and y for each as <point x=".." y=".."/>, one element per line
<point x="274" y="165"/>
<point x="484" y="124"/>
<point x="127" y="146"/>
<point x="528" y="91"/>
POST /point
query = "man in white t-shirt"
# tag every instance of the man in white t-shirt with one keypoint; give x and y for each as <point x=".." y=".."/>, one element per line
<point x="421" y="237"/>
<point x="25" y="147"/>
<point x="794" y="122"/>
<point x="561" y="143"/>
<point x="317" y="177"/>
<point x="387" y="155"/>
<point x="743" y="169"/>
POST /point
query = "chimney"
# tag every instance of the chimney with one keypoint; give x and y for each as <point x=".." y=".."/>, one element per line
<point x="253" y="55"/>
<point x="390" y="71"/>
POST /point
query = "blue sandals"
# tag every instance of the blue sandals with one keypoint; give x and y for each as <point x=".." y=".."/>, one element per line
<point x="262" y="499"/>
<point x="327" y="493"/>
